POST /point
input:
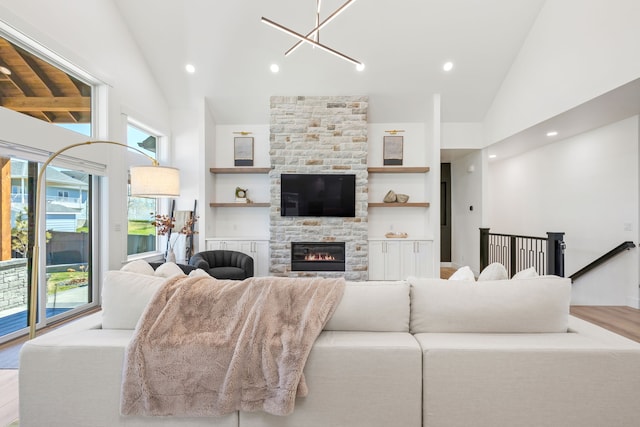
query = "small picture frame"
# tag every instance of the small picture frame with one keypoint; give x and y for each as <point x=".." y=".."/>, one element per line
<point x="392" y="150"/>
<point x="243" y="150"/>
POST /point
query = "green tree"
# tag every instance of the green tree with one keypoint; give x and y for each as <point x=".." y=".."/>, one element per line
<point x="20" y="233"/>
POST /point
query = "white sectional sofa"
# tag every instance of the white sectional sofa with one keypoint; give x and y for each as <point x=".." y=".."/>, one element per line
<point x="421" y="352"/>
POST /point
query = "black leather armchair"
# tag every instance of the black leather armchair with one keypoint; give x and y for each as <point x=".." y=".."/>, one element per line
<point x="223" y="264"/>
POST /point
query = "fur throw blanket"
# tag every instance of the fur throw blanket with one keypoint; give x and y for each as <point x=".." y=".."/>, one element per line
<point x="207" y="347"/>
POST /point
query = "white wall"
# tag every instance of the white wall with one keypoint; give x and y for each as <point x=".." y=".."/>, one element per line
<point x="466" y="192"/>
<point x="585" y="186"/>
<point x="466" y="135"/>
<point x="576" y="50"/>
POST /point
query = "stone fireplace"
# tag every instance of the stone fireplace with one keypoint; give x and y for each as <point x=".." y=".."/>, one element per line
<point x="317" y="256"/>
<point x="319" y="135"/>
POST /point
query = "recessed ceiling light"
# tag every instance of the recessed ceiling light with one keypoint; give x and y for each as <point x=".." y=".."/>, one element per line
<point x="190" y="68"/>
<point x="492" y="156"/>
<point x="5" y="70"/>
<point x="447" y="66"/>
<point x="360" y="67"/>
<point x="552" y="133"/>
<point x="274" y="68"/>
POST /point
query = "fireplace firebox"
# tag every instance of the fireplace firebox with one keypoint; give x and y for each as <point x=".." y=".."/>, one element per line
<point x="317" y="256"/>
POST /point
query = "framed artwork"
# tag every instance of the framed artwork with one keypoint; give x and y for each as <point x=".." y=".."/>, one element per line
<point x="392" y="150"/>
<point x="243" y="150"/>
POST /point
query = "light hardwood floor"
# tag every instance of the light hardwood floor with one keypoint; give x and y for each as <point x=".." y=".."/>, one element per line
<point x="8" y="396"/>
<point x="622" y="320"/>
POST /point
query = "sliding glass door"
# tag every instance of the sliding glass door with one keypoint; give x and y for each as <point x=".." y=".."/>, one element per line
<point x="68" y="235"/>
<point x="66" y="253"/>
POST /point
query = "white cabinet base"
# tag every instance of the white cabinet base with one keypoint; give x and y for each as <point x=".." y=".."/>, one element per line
<point x="399" y="259"/>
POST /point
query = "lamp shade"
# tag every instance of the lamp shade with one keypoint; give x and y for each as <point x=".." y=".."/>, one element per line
<point x="154" y="181"/>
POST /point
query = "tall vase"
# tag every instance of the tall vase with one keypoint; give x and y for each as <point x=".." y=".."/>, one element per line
<point x="171" y="256"/>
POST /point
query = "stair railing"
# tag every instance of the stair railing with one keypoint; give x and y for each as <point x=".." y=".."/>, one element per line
<point x="516" y="253"/>
<point x="624" y="246"/>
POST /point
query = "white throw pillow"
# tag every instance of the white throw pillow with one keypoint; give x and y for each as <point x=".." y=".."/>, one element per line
<point x="494" y="271"/>
<point x="125" y="295"/>
<point x="491" y="306"/>
<point x="463" y="273"/>
<point x="139" y="266"/>
<point x="168" y="269"/>
<point x="528" y="273"/>
<point x="198" y="272"/>
<point x="372" y="307"/>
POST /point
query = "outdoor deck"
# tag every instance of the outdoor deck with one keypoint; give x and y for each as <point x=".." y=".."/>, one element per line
<point x="16" y="321"/>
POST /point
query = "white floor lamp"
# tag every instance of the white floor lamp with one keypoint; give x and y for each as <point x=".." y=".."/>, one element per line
<point x="146" y="181"/>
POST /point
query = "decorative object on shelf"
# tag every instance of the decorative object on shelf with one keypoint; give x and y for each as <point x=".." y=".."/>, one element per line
<point x="243" y="150"/>
<point x="402" y="198"/>
<point x="165" y="225"/>
<point x="313" y="36"/>
<point x="390" y="197"/>
<point x="145" y="181"/>
<point x="392" y="148"/>
<point x="399" y="235"/>
<point x="241" y="195"/>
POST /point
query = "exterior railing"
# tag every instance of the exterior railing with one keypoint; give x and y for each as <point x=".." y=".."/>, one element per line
<point x="516" y="253"/>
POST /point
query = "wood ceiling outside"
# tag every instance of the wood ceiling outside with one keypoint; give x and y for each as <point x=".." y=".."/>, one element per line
<point x="41" y="90"/>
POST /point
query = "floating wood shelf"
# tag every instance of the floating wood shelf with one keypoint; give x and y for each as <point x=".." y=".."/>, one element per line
<point x="240" y="170"/>
<point x="399" y="205"/>
<point x="239" y="205"/>
<point x="398" y="169"/>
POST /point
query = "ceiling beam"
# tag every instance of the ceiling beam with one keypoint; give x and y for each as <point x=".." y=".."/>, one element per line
<point x="42" y="103"/>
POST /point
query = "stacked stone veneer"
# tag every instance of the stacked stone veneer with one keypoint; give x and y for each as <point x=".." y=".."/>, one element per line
<point x="13" y="284"/>
<point x="326" y="134"/>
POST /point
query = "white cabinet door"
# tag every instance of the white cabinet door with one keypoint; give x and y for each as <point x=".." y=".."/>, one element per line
<point x="384" y="260"/>
<point x="417" y="258"/>
<point x="376" y="260"/>
<point x="424" y="259"/>
<point x="393" y="265"/>
<point x="214" y="245"/>
<point x="229" y="245"/>
<point x="261" y="260"/>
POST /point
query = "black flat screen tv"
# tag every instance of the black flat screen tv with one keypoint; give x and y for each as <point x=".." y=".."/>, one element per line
<point x="318" y="195"/>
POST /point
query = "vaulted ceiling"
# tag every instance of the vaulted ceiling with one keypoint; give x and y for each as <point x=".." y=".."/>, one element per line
<point x="403" y="45"/>
<point x="32" y="86"/>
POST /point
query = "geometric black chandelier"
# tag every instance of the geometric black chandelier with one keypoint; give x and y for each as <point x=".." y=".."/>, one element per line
<point x="313" y="36"/>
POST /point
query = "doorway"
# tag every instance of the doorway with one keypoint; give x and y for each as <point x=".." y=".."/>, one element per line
<point x="445" y="212"/>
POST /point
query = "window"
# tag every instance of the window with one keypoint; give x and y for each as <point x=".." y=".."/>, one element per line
<point x="141" y="234"/>
<point x="34" y="86"/>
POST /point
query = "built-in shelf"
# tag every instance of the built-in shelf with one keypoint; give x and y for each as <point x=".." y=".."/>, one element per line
<point x="239" y="205"/>
<point x="240" y="170"/>
<point x="398" y="169"/>
<point x="399" y="205"/>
